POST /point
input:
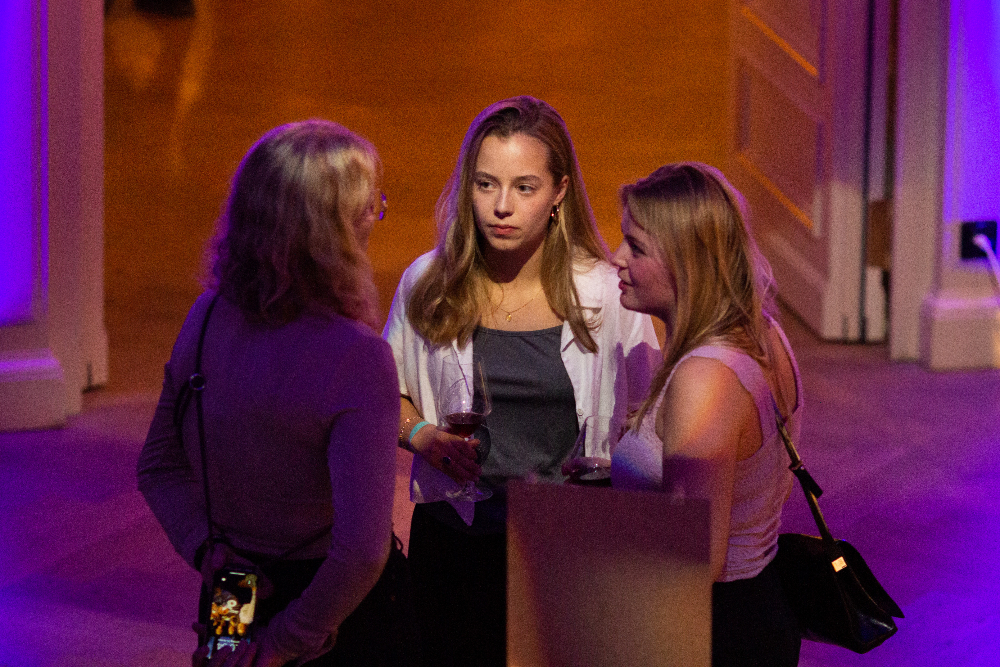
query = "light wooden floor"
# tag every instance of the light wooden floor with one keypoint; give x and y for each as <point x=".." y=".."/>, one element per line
<point x="908" y="458"/>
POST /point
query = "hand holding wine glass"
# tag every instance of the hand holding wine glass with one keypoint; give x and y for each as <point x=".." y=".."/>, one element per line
<point x="584" y="470"/>
<point x="448" y="452"/>
<point x="464" y="403"/>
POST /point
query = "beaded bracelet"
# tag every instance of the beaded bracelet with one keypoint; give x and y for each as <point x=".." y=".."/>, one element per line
<point x="404" y="439"/>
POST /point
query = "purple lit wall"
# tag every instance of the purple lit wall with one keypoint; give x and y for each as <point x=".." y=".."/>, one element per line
<point x="972" y="174"/>
<point x="16" y="183"/>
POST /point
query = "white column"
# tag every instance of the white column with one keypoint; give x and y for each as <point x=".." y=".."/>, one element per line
<point x="53" y="343"/>
<point x="951" y="156"/>
<point x="920" y="138"/>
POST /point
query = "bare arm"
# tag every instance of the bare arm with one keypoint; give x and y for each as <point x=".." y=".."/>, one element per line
<point x="434" y="445"/>
<point x="705" y="420"/>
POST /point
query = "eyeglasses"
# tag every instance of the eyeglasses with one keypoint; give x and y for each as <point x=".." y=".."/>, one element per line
<point x="381" y="207"/>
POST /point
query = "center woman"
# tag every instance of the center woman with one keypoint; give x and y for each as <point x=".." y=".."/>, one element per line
<point x="519" y="281"/>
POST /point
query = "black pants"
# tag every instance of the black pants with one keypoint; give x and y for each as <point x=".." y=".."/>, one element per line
<point x="460" y="593"/>
<point x="381" y="632"/>
<point x="752" y="624"/>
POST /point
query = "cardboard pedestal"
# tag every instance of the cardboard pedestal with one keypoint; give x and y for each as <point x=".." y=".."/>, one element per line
<point x="606" y="577"/>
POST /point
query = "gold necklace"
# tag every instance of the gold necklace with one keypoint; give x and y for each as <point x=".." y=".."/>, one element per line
<point x="510" y="313"/>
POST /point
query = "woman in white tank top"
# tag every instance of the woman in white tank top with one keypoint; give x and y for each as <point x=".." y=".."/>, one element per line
<point x="707" y="427"/>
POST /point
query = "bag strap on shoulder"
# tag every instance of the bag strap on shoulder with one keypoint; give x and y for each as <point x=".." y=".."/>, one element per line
<point x="809" y="486"/>
<point x="195" y="386"/>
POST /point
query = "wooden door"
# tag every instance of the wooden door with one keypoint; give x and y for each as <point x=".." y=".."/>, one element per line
<point x="798" y="153"/>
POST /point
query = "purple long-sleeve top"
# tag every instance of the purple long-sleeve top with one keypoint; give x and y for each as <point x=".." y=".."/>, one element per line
<point x="300" y="430"/>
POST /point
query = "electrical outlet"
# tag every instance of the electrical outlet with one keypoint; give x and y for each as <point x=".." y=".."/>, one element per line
<point x="969" y="230"/>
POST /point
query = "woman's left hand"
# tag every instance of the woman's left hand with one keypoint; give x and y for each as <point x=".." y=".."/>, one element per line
<point x="451" y="454"/>
<point x="267" y="654"/>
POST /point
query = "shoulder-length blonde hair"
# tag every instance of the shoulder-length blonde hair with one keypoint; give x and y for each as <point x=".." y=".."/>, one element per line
<point x="286" y="242"/>
<point x="448" y="299"/>
<point x="699" y="222"/>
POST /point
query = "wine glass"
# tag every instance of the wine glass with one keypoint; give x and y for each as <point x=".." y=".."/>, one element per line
<point x="586" y="470"/>
<point x="464" y="402"/>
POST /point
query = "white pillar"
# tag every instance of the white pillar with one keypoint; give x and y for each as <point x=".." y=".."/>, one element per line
<point x="921" y="90"/>
<point x="945" y="309"/>
<point x="53" y="343"/>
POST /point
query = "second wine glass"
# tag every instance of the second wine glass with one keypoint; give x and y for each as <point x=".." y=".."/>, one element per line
<point x="584" y="470"/>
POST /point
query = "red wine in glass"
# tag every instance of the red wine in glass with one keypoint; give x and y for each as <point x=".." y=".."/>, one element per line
<point x="464" y="424"/>
<point x="590" y="471"/>
<point x="585" y="470"/>
<point x="464" y="401"/>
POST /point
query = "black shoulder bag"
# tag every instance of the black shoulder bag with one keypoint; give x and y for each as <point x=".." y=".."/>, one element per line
<point x="831" y="589"/>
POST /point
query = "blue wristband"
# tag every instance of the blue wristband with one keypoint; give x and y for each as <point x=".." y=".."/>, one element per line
<point x="416" y="428"/>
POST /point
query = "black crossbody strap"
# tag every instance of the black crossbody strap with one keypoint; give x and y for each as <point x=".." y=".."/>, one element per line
<point x="809" y="486"/>
<point x="195" y="386"/>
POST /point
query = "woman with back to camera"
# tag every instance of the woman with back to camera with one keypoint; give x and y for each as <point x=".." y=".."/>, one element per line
<point x="707" y="428"/>
<point x="300" y="447"/>
<point x="519" y="281"/>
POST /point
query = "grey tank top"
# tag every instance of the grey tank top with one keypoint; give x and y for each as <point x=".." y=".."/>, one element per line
<point x="533" y="423"/>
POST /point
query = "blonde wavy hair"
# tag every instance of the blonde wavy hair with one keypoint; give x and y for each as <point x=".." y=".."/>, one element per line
<point x="286" y="242"/>
<point x="699" y="223"/>
<point x="447" y="301"/>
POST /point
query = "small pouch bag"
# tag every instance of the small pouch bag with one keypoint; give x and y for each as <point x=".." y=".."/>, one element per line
<point x="232" y="603"/>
